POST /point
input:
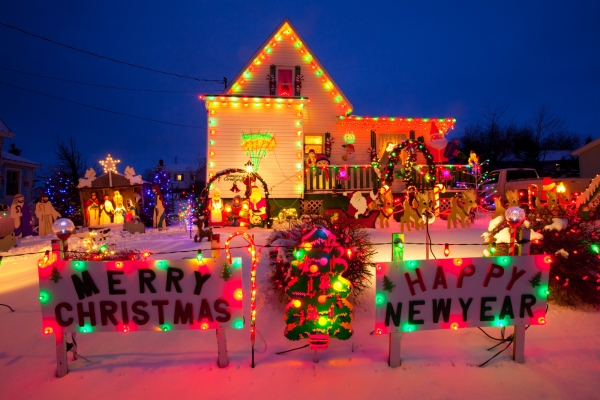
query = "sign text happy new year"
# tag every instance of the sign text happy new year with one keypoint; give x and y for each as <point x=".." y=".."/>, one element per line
<point x="462" y="292"/>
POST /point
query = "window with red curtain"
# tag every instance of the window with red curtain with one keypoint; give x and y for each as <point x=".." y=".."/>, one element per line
<point x="285" y="86"/>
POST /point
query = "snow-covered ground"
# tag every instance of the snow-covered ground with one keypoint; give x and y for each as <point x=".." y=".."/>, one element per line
<point x="562" y="358"/>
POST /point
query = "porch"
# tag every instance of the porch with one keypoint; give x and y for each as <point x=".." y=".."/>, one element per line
<point x="342" y="178"/>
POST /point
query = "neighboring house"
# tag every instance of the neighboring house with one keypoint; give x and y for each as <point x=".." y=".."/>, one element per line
<point x="589" y="159"/>
<point x="181" y="175"/>
<point x="281" y="105"/>
<point x="16" y="173"/>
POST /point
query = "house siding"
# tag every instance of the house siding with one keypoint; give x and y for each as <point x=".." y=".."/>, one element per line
<point x="279" y="167"/>
<point x="589" y="163"/>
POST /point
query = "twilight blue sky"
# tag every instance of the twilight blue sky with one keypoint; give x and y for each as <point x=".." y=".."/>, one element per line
<point x="414" y="59"/>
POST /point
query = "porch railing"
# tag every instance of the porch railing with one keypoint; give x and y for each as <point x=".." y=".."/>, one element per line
<point x="363" y="177"/>
<point x="339" y="177"/>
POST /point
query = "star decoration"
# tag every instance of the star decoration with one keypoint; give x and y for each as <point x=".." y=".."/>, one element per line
<point x="109" y="164"/>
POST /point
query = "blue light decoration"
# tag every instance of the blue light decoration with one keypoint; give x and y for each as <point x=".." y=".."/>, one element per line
<point x="160" y="178"/>
<point x="63" y="195"/>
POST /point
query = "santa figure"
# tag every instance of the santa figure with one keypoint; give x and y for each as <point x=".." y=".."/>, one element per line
<point x="547" y="186"/>
<point x="92" y="210"/>
<point x="359" y="205"/>
<point x="258" y="207"/>
<point x="349" y="152"/>
<point x="107" y="211"/>
<point x="46" y="215"/>
<point x="19" y="211"/>
<point x="215" y="205"/>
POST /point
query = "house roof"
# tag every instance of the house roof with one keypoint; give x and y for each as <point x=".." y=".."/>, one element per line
<point x="8" y="157"/>
<point x="286" y="31"/>
<point x="585" y="148"/>
<point x="103" y="181"/>
<point x="180" y="167"/>
<point x="4" y="131"/>
<point x="421" y="126"/>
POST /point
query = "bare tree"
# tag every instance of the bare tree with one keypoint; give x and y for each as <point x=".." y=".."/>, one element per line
<point x="70" y="159"/>
<point x="489" y="136"/>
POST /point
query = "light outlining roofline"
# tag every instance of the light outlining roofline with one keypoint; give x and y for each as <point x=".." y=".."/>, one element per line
<point x="272" y="37"/>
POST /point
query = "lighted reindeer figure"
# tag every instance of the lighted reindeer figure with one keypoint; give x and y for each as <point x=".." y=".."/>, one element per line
<point x="469" y="198"/>
<point x="551" y="203"/>
<point x="500" y="210"/>
<point x="384" y="202"/>
<point x="412" y="215"/>
<point x="513" y="198"/>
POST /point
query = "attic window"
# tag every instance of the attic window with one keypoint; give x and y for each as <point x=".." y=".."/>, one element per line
<point x="285" y="85"/>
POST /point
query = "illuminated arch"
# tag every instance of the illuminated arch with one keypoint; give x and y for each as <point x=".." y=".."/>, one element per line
<point x="203" y="200"/>
<point x="388" y="171"/>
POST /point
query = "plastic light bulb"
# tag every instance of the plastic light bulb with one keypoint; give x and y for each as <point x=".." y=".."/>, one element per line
<point x="446" y="250"/>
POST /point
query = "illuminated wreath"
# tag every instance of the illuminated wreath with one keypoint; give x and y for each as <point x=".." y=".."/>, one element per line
<point x="409" y="144"/>
<point x="248" y="180"/>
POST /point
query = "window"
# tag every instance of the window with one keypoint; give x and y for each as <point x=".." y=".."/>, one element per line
<point x="178" y="177"/>
<point x="313" y="142"/>
<point x="285" y="83"/>
<point x="519" y="174"/>
<point x="13" y="179"/>
<point x="492" y="178"/>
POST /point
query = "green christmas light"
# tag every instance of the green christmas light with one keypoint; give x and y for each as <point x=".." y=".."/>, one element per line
<point x="595" y="248"/>
<point x="238" y="324"/>
<point x="44" y="297"/>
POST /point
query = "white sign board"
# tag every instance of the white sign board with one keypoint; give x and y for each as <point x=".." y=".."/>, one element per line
<point x="461" y="292"/>
<point x="123" y="296"/>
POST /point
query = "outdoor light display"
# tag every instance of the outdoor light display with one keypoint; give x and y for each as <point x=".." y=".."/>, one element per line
<point x="126" y="296"/>
<point x="461" y="292"/>
<point x="318" y="309"/>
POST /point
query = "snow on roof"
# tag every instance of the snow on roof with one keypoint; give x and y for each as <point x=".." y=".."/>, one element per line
<point x="6" y="156"/>
<point x="181" y="167"/>
<point x="588" y="146"/>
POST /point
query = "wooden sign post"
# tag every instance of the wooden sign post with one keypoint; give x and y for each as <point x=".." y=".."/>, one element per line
<point x="394" y="359"/>
<point x="127" y="296"/>
<point x="413" y="295"/>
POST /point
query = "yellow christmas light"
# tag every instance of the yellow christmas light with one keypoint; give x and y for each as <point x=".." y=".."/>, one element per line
<point x="109" y="164"/>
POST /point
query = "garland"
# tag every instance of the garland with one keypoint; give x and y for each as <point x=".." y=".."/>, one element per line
<point x="250" y="178"/>
<point x="358" y="254"/>
<point x="411" y="146"/>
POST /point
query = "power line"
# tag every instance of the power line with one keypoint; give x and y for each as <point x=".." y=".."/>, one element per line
<point x="224" y="80"/>
<point x="93" y="84"/>
<point x="101" y="109"/>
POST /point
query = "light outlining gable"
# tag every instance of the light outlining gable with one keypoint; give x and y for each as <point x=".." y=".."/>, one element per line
<point x="286" y="35"/>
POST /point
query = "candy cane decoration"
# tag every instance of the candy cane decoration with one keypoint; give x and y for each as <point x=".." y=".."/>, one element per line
<point x="252" y="251"/>
<point x="437" y="189"/>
